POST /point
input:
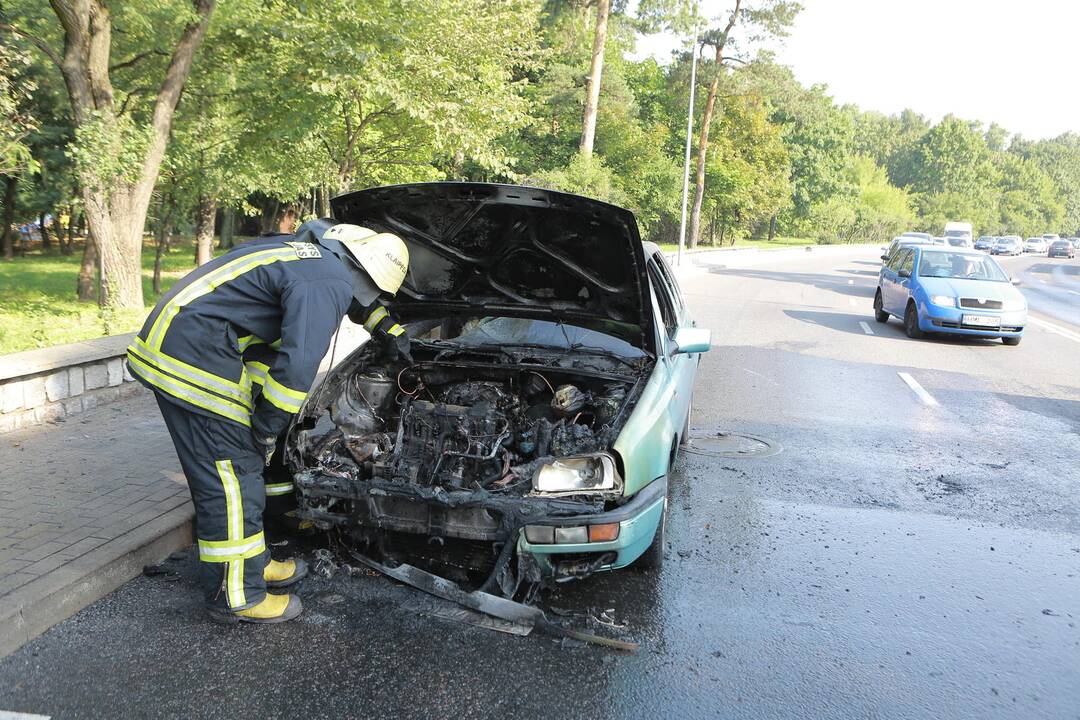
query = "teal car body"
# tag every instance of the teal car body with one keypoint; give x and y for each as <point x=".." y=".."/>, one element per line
<point x="506" y="285"/>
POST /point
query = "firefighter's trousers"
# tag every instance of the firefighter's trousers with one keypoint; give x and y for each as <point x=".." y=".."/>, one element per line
<point x="224" y="471"/>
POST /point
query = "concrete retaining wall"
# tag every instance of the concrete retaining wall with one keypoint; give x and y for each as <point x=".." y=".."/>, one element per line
<point x="46" y="385"/>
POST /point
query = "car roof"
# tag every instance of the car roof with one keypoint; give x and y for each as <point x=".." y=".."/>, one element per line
<point x="955" y="249"/>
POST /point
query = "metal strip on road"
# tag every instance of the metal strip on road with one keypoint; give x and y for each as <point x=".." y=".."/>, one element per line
<point x="865" y="327"/>
<point x="1056" y="329"/>
<point x="918" y="389"/>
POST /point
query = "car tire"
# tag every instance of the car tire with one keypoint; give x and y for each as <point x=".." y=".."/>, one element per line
<point x="911" y="322"/>
<point x="653" y="557"/>
<point x="1011" y="341"/>
<point x="879" y="312"/>
<point x="684" y="439"/>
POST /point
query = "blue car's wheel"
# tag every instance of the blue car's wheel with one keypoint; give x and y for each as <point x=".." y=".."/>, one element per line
<point x="879" y="311"/>
<point x="911" y="322"/>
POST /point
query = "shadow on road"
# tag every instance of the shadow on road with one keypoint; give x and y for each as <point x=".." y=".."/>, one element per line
<point x="818" y="280"/>
<point x="844" y="322"/>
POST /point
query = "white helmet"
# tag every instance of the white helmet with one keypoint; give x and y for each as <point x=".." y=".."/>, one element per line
<point x="383" y="256"/>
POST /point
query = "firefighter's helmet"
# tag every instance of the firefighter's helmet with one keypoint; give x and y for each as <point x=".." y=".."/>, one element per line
<point x="383" y="256"/>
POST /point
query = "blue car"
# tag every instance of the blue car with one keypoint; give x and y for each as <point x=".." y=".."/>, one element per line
<point x="950" y="290"/>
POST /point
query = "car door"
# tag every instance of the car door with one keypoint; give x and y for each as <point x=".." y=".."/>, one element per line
<point x="887" y="278"/>
<point x="894" y="290"/>
<point x="904" y="280"/>
<point x="678" y="368"/>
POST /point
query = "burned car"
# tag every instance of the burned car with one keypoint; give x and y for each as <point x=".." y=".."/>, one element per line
<point x="532" y="435"/>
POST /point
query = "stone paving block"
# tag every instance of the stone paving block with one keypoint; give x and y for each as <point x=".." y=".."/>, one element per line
<point x="11" y="396"/>
<point x="115" y="369"/>
<point x="81" y="547"/>
<point x="75" y="380"/>
<point x="13" y="565"/>
<point x="33" y="392"/>
<point x="44" y="565"/>
<point x="56" y="386"/>
<point x="95" y="376"/>
<point x="41" y="551"/>
<point x="49" y="413"/>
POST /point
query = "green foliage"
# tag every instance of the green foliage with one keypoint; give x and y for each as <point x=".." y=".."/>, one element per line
<point x="16" y="122"/>
<point x="584" y="175"/>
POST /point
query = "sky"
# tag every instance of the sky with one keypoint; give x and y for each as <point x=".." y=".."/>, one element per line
<point x="1013" y="63"/>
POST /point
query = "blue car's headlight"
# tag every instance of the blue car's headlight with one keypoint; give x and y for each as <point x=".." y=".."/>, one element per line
<point x="943" y="300"/>
<point x="1014" y="305"/>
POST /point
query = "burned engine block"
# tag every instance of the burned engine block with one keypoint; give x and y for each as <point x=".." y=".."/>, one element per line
<point x="443" y="444"/>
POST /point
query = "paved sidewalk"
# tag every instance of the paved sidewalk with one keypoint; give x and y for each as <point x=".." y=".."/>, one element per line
<point x="83" y="505"/>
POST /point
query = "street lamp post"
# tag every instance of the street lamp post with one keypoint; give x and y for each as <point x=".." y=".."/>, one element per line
<point x="689" y="135"/>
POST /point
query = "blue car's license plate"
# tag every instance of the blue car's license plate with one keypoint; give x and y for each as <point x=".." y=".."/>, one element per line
<point x="982" y="321"/>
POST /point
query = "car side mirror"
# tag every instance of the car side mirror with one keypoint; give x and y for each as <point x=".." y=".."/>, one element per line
<point x="1014" y="281"/>
<point x="884" y="257"/>
<point x="904" y="273"/>
<point x="690" y="340"/>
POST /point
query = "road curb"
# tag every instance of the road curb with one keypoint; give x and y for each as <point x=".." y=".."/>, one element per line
<point x="37" y="606"/>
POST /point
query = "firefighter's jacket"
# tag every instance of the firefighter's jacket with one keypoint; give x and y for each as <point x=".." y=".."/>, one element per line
<point x="287" y="295"/>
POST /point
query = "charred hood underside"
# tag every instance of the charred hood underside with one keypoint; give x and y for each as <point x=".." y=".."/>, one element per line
<point x="514" y="251"/>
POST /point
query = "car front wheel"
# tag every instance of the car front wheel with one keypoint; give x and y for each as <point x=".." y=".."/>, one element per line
<point x="653" y="557"/>
<point x="879" y="311"/>
<point x="911" y="322"/>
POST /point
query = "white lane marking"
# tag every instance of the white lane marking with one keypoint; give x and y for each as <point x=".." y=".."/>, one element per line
<point x="918" y="389"/>
<point x="1056" y="329"/>
<point x="850" y="282"/>
<point x="865" y="328"/>
<point x="851" y="301"/>
<point x="1073" y="292"/>
<point x="9" y="715"/>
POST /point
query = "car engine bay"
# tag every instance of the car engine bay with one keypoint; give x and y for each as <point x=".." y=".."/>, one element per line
<point x="453" y="454"/>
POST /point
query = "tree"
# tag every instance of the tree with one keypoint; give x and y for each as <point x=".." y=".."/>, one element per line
<point x="768" y="18"/>
<point x="592" y="87"/>
<point x="120" y="149"/>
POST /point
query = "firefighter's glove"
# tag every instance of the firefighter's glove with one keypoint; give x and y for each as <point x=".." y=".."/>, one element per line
<point x="395" y="348"/>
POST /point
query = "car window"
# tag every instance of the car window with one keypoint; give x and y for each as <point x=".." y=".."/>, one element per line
<point x="908" y="261"/>
<point x="669" y="278"/>
<point x="663" y="298"/>
<point x="897" y="258"/>
<point x="959" y="265"/>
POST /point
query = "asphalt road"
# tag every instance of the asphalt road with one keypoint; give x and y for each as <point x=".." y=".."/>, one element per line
<point x="905" y="555"/>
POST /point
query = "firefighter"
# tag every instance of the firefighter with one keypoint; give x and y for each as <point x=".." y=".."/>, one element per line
<point x="230" y="352"/>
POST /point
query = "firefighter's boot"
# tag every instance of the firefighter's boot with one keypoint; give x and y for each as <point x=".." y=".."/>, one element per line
<point x="279" y="574"/>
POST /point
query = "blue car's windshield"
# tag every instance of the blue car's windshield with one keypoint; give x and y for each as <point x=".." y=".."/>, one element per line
<point x="943" y="264"/>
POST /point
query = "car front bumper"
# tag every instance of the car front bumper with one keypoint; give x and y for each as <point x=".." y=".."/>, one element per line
<point x="935" y="318"/>
<point x="638" y="522"/>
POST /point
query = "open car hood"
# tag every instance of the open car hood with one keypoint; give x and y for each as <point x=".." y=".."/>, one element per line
<point x="508" y="250"/>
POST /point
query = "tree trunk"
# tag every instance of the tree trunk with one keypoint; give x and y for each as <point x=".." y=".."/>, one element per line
<point x="116" y="211"/>
<point x="592" y="88"/>
<point x="323" y="198"/>
<point x="205" y="213"/>
<point x="85" y="286"/>
<point x="12" y="182"/>
<point x="46" y="241"/>
<point x="772" y="228"/>
<point x="228" y="227"/>
<point x="703" y="151"/>
<point x="706" y="121"/>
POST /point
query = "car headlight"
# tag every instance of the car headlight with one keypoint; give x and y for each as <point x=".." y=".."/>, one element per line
<point x="943" y="300"/>
<point x="585" y="473"/>
<point x="1014" y="305"/>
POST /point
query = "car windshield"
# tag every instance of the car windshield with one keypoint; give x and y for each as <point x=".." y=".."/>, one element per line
<point x="535" y="333"/>
<point x="957" y="241"/>
<point x="960" y="265"/>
